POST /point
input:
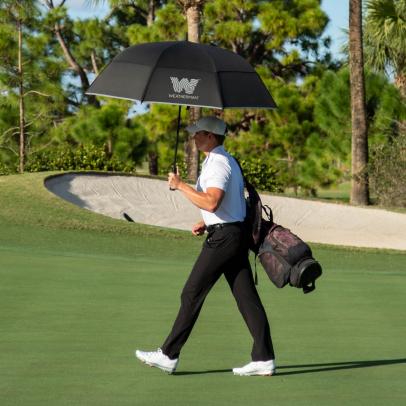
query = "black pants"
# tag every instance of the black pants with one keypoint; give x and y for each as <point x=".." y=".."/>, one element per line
<point x="224" y="252"/>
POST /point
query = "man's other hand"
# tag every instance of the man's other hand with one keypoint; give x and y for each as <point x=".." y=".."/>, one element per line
<point x="199" y="228"/>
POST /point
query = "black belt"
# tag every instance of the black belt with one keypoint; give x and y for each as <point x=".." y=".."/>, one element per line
<point x="219" y="226"/>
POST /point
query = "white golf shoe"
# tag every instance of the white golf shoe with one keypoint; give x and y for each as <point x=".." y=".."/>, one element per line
<point x="256" y="368"/>
<point x="157" y="359"/>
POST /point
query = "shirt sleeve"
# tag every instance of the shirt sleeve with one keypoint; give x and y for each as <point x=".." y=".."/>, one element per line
<point x="218" y="175"/>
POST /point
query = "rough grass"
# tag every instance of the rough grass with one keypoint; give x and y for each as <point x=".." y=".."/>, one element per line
<point x="25" y="201"/>
<point x="79" y="292"/>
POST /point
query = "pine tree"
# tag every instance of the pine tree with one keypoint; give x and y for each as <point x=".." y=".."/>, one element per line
<point x="30" y="97"/>
<point x="106" y="127"/>
<point x="60" y="25"/>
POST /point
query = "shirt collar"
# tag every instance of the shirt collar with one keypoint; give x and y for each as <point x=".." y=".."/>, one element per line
<point x="217" y="150"/>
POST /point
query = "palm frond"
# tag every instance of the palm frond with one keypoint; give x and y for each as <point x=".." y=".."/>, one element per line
<point x="385" y="35"/>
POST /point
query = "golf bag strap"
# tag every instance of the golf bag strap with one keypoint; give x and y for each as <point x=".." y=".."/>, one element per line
<point x="248" y="184"/>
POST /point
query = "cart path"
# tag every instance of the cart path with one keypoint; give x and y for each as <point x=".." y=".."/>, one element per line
<point x="149" y="201"/>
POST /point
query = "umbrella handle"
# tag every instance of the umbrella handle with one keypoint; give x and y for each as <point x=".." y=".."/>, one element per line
<point x="174" y="166"/>
<point x="175" y="171"/>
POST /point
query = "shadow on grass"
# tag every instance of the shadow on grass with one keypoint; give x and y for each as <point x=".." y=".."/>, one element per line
<point x="213" y="371"/>
<point x="336" y="366"/>
<point x="312" y="368"/>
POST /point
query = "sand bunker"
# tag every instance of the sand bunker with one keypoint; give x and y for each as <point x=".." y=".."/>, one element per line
<point x="149" y="201"/>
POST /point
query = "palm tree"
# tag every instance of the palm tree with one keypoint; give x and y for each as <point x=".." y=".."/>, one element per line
<point x="359" y="152"/>
<point x="385" y="39"/>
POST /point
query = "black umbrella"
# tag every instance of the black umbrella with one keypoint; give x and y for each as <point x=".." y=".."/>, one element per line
<point x="183" y="73"/>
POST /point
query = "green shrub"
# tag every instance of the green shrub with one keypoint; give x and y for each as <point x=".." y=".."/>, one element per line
<point x="387" y="172"/>
<point x="5" y="170"/>
<point x="83" y="157"/>
<point x="261" y="175"/>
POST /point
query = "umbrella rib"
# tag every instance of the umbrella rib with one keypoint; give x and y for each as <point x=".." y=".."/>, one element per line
<point x="217" y="78"/>
<point x="147" y="84"/>
<point x="220" y="90"/>
<point x="150" y="76"/>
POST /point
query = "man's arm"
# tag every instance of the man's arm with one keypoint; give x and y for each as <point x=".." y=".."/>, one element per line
<point x="209" y="200"/>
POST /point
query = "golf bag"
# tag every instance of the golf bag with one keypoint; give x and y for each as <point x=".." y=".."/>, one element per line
<point x="284" y="256"/>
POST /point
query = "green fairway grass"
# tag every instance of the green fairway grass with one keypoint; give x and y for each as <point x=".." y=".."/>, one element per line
<point x="79" y="292"/>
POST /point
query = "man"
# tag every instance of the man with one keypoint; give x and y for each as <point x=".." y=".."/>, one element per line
<point x="219" y="194"/>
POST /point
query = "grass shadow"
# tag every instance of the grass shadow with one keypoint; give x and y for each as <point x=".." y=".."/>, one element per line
<point x="336" y="366"/>
<point x="213" y="371"/>
<point x="312" y="368"/>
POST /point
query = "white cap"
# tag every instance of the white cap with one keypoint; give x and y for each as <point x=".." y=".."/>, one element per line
<point x="210" y="124"/>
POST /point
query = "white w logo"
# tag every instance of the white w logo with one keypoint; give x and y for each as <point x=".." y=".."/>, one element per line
<point x="187" y="85"/>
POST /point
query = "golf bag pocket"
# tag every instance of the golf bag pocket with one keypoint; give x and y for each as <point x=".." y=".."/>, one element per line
<point x="287" y="259"/>
<point x="277" y="270"/>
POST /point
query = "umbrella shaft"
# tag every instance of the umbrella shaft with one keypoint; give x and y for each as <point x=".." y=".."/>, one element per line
<point x="177" y="142"/>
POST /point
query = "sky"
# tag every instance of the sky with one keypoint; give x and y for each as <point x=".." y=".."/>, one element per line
<point x="337" y="11"/>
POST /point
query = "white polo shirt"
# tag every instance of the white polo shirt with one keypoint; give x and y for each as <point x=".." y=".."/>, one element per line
<point x="220" y="170"/>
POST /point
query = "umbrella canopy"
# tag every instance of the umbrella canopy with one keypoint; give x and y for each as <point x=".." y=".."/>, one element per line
<point x="183" y="73"/>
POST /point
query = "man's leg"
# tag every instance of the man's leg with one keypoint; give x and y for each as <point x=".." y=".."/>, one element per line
<point x="217" y="251"/>
<point x="241" y="282"/>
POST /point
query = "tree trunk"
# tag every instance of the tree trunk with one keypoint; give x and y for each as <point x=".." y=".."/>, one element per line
<point x="22" y="151"/>
<point x="153" y="163"/>
<point x="191" y="152"/>
<point x="359" y="149"/>
<point x="109" y="146"/>
<point x="151" y="13"/>
<point x="400" y="83"/>
<point x="94" y="63"/>
<point x="152" y="155"/>
<point x="193" y="16"/>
